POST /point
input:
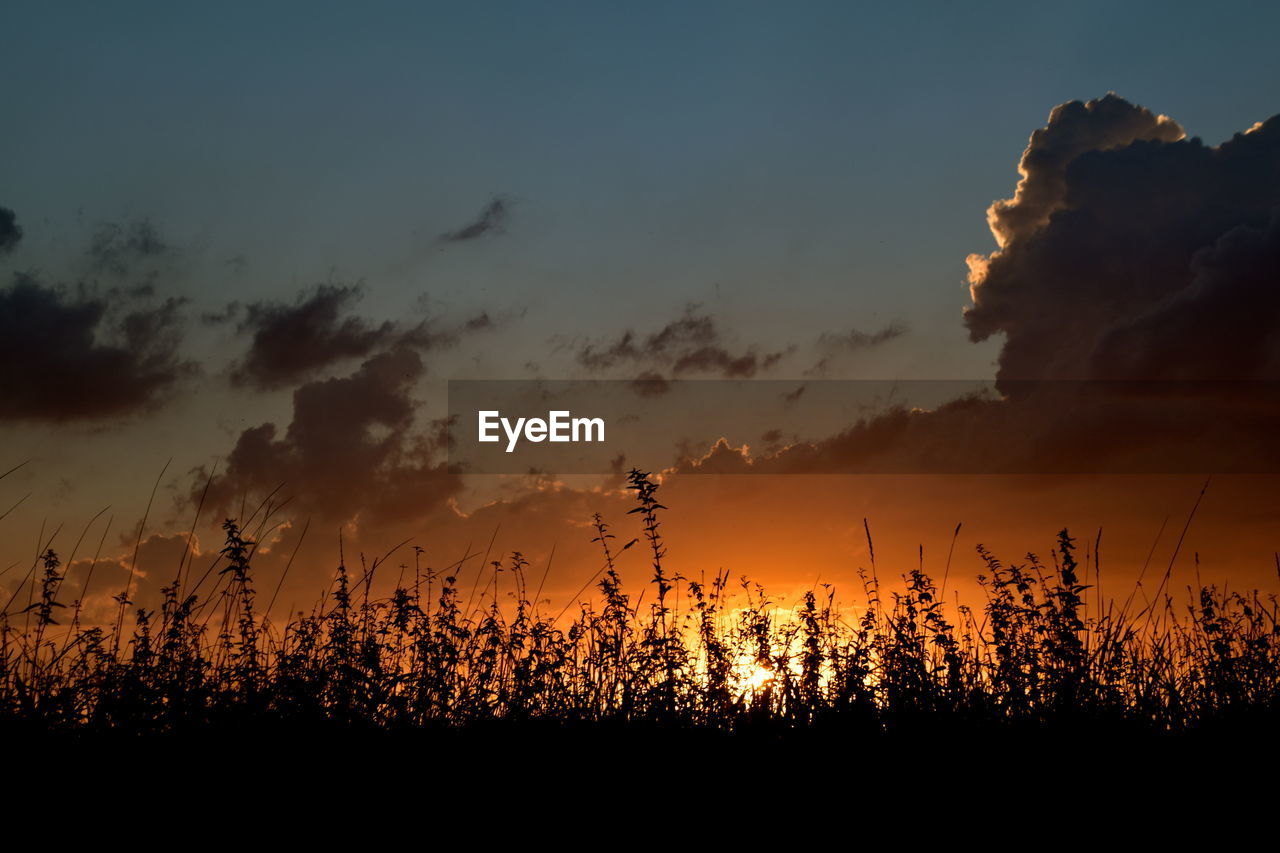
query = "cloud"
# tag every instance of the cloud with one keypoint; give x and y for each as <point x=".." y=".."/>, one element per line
<point x="116" y="248"/>
<point x="1074" y="129"/>
<point x="854" y="340"/>
<point x="432" y="333"/>
<point x="650" y="384"/>
<point x="349" y="450"/>
<point x="10" y="231"/>
<point x="481" y="322"/>
<point x="1132" y="252"/>
<point x="1054" y="428"/>
<point x="834" y="345"/>
<point x="491" y="220"/>
<point x="1129" y="253"/>
<point x="225" y="315"/>
<point x="82" y="356"/>
<point x="292" y="342"/>
<point x="714" y="359"/>
<point x="1225" y="325"/>
<point x="692" y="343"/>
<point x="158" y="560"/>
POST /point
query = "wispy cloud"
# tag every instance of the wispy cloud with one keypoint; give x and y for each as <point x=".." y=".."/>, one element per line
<point x="491" y="220"/>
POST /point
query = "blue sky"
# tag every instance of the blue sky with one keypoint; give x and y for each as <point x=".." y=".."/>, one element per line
<point x="841" y="153"/>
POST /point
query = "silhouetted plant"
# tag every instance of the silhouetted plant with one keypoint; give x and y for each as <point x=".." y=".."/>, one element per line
<point x="1032" y="653"/>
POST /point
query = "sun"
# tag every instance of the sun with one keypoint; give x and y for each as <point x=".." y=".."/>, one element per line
<point x="757" y="677"/>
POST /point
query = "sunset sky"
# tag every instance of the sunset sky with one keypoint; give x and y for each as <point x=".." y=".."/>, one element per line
<point x="312" y="217"/>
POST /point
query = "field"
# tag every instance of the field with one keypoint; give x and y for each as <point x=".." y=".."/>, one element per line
<point x="706" y="657"/>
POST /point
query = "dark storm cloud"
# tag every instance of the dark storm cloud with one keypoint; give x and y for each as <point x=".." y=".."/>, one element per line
<point x="692" y="343"/>
<point x="1074" y="129"/>
<point x="1131" y="252"/>
<point x="81" y="356"/>
<point x="350" y="448"/>
<point x="491" y="220"/>
<point x="1224" y="325"/>
<point x="117" y="248"/>
<point x="10" y="231"/>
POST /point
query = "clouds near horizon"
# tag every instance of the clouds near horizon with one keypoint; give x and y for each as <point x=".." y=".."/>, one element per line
<point x="350" y="449"/>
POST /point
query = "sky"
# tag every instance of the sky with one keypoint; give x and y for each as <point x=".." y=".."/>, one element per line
<point x="495" y="190"/>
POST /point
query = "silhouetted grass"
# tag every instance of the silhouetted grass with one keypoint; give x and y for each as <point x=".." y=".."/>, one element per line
<point x="680" y="654"/>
